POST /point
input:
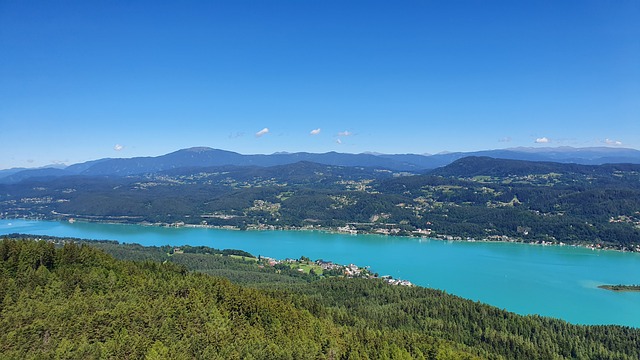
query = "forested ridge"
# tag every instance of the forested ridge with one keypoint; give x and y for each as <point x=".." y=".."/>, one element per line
<point x="75" y="301"/>
<point x="472" y="198"/>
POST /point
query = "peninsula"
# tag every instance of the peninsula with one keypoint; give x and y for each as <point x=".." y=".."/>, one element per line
<point x="620" y="287"/>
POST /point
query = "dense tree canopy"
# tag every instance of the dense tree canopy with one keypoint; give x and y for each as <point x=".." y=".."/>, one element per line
<point x="75" y="301"/>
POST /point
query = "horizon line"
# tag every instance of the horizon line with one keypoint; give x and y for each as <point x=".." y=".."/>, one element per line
<point x="373" y="153"/>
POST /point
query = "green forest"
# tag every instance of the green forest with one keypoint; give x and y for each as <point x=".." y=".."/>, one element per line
<point x="90" y="300"/>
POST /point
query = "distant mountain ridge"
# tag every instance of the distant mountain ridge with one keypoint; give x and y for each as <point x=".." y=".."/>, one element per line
<point x="209" y="157"/>
<point x="472" y="166"/>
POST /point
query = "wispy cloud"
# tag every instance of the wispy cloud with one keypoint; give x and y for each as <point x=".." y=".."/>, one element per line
<point x="118" y="147"/>
<point x="262" y="132"/>
<point x="236" y="135"/>
<point x="542" y="140"/>
<point x="315" y="131"/>
<point x="338" y="141"/>
<point x="345" y="133"/>
<point x="612" y="142"/>
<point x="505" y="139"/>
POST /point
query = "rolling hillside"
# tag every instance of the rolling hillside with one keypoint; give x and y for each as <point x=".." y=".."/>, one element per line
<point x="473" y="198"/>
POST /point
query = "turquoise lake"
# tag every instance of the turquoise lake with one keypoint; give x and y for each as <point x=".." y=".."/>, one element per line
<point x="556" y="281"/>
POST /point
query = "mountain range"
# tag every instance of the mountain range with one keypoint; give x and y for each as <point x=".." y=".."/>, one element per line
<point x="209" y="157"/>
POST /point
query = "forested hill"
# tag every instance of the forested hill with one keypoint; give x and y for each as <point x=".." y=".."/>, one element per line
<point x="76" y="302"/>
<point x="471" y="166"/>
<point x="473" y="198"/>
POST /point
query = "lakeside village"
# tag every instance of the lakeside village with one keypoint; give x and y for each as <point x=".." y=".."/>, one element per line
<point x="320" y="268"/>
<point x="390" y="229"/>
<point x="329" y="269"/>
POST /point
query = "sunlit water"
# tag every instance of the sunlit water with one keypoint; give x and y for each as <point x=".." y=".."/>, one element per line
<point x="527" y="279"/>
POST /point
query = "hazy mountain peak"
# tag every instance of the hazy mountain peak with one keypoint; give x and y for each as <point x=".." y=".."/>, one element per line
<point x="198" y="149"/>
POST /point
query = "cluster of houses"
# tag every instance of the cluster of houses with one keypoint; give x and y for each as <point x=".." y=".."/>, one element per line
<point x="332" y="269"/>
<point x="391" y="281"/>
<point x="328" y="265"/>
<point x="380" y="228"/>
<point x="635" y="220"/>
<point x="347" y="229"/>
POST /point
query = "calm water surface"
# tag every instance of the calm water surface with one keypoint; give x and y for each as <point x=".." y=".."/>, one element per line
<point x="527" y="279"/>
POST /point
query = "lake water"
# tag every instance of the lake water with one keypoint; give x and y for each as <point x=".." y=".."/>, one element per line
<point x="557" y="281"/>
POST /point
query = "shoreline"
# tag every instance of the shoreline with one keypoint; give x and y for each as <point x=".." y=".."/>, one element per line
<point x="438" y="237"/>
<point x="620" y="288"/>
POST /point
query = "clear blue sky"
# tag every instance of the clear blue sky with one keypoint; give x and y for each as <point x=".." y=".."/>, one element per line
<point x="82" y="80"/>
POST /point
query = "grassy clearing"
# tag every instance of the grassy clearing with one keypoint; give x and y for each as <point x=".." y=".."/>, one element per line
<point x="306" y="268"/>
<point x="244" y="258"/>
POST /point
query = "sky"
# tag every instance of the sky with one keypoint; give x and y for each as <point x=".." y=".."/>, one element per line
<point x="83" y="80"/>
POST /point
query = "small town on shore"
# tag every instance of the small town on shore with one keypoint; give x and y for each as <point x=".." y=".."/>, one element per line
<point x="321" y="268"/>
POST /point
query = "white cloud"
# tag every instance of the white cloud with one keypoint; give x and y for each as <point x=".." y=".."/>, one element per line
<point x="315" y="131"/>
<point x="118" y="147"/>
<point x="338" y="141"/>
<point x="262" y="132"/>
<point x="505" y="139"/>
<point x="612" y="142"/>
<point x="542" y="140"/>
<point x="345" y="133"/>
